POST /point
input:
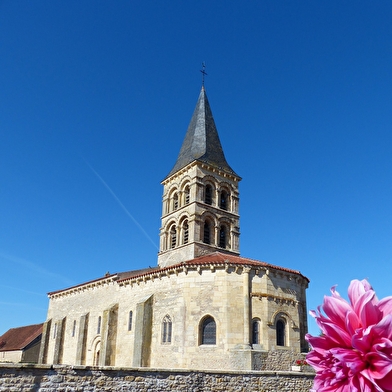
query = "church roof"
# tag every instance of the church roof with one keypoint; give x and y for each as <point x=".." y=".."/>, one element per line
<point x="109" y="277"/>
<point x="212" y="259"/>
<point x="216" y="258"/>
<point x="201" y="141"/>
<point x="19" y="338"/>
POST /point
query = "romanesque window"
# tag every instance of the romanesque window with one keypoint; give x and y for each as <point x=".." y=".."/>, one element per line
<point x="173" y="237"/>
<point x="208" y="331"/>
<point x="187" y="195"/>
<point x="74" y="328"/>
<point x="255" y="331"/>
<point x="208" y="195"/>
<point x="166" y="329"/>
<point x="185" y="228"/>
<point x="55" y="331"/>
<point x="222" y="237"/>
<point x="207" y="233"/>
<point x="175" y="201"/>
<point x="130" y="320"/>
<point x="99" y="325"/>
<point x="96" y="358"/>
<point x="97" y="350"/>
<point x="223" y="203"/>
<point x="280" y="333"/>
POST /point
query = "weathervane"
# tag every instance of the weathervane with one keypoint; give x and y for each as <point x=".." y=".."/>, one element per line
<point x="203" y="71"/>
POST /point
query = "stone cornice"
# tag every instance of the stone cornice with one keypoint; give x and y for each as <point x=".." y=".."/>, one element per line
<point x="202" y="165"/>
<point x="84" y="286"/>
<point x="276" y="298"/>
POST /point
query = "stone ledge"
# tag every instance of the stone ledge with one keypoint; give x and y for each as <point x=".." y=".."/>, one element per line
<point x="55" y="378"/>
<point x="154" y="370"/>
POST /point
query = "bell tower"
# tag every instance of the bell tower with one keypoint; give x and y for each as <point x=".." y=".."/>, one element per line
<point x="200" y="196"/>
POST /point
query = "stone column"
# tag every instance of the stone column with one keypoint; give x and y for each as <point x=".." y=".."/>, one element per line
<point x="109" y="336"/>
<point x="82" y="340"/>
<point x="59" y="342"/>
<point x="43" y="352"/>
<point x="143" y="332"/>
<point x="246" y="291"/>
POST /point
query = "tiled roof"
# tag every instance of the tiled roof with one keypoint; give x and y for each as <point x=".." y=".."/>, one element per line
<point x="112" y="277"/>
<point x="19" y="338"/>
<point x="218" y="257"/>
<point x="215" y="258"/>
<point x="107" y="276"/>
<point x="201" y="141"/>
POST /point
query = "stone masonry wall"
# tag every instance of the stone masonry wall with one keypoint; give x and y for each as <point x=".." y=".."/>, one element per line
<point x="280" y="360"/>
<point x="56" y="378"/>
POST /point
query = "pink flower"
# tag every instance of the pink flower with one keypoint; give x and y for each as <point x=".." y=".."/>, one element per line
<point x="354" y="351"/>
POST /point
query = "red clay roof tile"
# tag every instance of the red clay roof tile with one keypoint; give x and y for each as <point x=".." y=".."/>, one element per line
<point x="213" y="258"/>
<point x="19" y="338"/>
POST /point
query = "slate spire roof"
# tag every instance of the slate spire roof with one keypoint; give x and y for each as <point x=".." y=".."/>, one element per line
<point x="201" y="141"/>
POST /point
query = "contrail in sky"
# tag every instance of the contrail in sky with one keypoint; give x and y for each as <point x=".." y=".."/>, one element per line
<point x="34" y="267"/>
<point x="121" y="204"/>
<point x="23" y="291"/>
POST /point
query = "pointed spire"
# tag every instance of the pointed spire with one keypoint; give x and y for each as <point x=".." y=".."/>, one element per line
<point x="201" y="141"/>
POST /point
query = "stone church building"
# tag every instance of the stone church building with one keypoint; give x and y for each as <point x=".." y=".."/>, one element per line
<point x="204" y="306"/>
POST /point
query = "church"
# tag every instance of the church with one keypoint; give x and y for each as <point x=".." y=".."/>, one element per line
<point x="203" y="306"/>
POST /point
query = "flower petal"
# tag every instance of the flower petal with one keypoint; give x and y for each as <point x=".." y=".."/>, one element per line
<point x="352" y="322"/>
<point x="383" y="328"/>
<point x="337" y="334"/>
<point x="355" y="290"/>
<point x="366" y="309"/>
<point x="350" y="358"/>
<point x="385" y="305"/>
<point x="336" y="309"/>
<point x="380" y="365"/>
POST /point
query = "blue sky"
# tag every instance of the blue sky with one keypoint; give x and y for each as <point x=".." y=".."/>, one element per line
<point x="96" y="97"/>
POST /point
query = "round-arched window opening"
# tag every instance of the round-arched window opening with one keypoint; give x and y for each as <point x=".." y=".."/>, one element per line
<point x="208" y="331"/>
<point x="280" y="333"/>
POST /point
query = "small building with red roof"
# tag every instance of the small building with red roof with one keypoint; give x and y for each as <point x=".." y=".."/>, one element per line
<point x="21" y="344"/>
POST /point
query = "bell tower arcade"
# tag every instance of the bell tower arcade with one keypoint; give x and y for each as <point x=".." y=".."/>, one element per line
<point x="200" y="213"/>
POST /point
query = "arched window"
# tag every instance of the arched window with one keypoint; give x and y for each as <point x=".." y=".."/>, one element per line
<point x="173" y="237"/>
<point x="74" y="328"/>
<point x="175" y="201"/>
<point x="224" y="200"/>
<point x="130" y="320"/>
<point x="207" y="233"/>
<point x="255" y="331"/>
<point x="280" y="333"/>
<point x="222" y="237"/>
<point x="97" y="350"/>
<point x="96" y="359"/>
<point x="185" y="233"/>
<point x="99" y="325"/>
<point x="166" y="329"/>
<point x="208" y="331"/>
<point x="208" y="195"/>
<point x="187" y="195"/>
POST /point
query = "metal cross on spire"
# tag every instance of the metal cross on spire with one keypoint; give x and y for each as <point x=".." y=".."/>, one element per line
<point x="204" y="73"/>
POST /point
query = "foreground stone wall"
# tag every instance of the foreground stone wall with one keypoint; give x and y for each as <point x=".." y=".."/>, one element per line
<point x="46" y="378"/>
